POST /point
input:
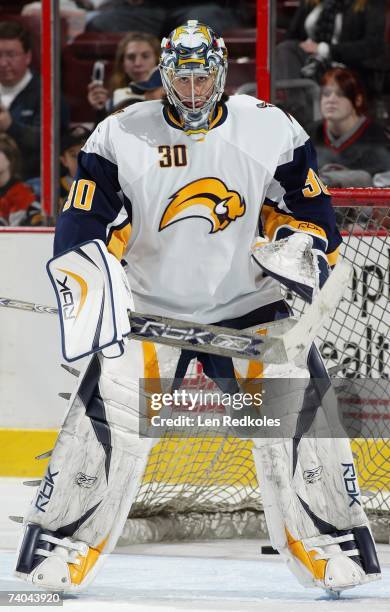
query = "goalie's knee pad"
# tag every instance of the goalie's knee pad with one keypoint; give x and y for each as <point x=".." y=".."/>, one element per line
<point x="91" y="481"/>
<point x="312" y="502"/>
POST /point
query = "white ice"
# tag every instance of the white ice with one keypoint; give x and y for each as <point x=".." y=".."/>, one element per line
<point x="230" y="575"/>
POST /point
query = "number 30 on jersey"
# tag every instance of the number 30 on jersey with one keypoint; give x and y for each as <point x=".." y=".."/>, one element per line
<point x="80" y="195"/>
<point x="314" y="186"/>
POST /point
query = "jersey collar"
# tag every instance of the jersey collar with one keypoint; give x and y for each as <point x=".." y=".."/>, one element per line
<point x="171" y="116"/>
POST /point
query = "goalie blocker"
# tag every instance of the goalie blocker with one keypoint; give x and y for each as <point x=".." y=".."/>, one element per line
<point x="93" y="297"/>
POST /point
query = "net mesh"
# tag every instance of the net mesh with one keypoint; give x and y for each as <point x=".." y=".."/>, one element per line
<point x="215" y="476"/>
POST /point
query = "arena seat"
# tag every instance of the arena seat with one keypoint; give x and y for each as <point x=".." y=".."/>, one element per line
<point x="239" y="73"/>
<point x="241" y="42"/>
<point x="12" y="7"/>
<point x="96" y="45"/>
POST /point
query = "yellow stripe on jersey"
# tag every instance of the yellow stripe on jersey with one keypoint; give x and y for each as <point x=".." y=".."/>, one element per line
<point x="333" y="257"/>
<point x="118" y="241"/>
<point x="217" y="117"/>
<point x="179" y="124"/>
<point x="273" y="219"/>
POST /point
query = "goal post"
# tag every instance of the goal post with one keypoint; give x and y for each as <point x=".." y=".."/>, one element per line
<point x="207" y="487"/>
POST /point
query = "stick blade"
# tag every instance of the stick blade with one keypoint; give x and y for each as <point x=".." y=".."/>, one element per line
<point x="319" y="312"/>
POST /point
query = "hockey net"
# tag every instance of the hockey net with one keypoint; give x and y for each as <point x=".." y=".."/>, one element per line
<point x="206" y="487"/>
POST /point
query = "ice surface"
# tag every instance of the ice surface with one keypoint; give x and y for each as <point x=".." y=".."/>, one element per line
<point x="228" y="575"/>
<point x="156" y="582"/>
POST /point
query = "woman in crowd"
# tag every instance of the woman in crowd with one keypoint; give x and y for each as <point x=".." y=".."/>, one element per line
<point x="137" y="54"/>
<point x="18" y="205"/>
<point x="349" y="144"/>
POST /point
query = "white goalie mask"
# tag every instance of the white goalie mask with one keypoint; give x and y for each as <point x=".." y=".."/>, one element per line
<point x="193" y="65"/>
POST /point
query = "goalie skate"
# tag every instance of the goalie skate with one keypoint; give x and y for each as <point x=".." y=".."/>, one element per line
<point x="57" y="563"/>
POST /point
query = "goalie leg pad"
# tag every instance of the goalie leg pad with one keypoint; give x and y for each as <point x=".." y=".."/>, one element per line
<point x="312" y="505"/>
<point x="325" y="540"/>
<point x="93" y="476"/>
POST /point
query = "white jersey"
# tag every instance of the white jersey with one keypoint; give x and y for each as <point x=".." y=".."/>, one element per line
<point x="190" y="208"/>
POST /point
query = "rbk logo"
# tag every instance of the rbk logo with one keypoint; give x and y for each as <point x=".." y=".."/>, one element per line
<point x="68" y="304"/>
<point x="46" y="490"/>
<point x="206" y="198"/>
<point x="67" y="299"/>
<point x="350" y="483"/>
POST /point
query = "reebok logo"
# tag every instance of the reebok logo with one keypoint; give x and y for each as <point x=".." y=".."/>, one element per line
<point x="194" y="336"/>
<point x="66" y="298"/>
<point x="46" y="491"/>
<point x="350" y="483"/>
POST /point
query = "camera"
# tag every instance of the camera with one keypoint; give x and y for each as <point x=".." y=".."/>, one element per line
<point x="98" y="72"/>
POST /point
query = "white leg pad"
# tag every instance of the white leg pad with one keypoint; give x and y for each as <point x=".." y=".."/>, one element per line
<point x="311" y="496"/>
<point x="93" y="476"/>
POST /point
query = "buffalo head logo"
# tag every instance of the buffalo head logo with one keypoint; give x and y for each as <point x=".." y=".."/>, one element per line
<point x="206" y="198"/>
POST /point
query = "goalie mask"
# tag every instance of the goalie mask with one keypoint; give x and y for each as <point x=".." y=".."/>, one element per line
<point x="193" y="65"/>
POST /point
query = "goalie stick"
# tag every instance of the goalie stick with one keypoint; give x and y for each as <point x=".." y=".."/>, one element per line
<point x="228" y="342"/>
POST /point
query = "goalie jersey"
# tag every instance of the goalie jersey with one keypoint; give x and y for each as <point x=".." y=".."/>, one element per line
<point x="184" y="210"/>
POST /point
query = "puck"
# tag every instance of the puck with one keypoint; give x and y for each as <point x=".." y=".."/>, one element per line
<point x="268" y="550"/>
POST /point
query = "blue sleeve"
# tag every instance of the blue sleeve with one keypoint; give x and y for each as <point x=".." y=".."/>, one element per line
<point x="297" y="200"/>
<point x="96" y="207"/>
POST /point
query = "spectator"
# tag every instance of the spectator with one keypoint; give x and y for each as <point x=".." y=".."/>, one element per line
<point x="20" y="93"/>
<point x="345" y="31"/>
<point x="18" y="205"/>
<point x="152" y="88"/>
<point x="323" y="33"/>
<point x="158" y="17"/>
<point x="137" y="54"/>
<point x="350" y="147"/>
<point x="71" y="144"/>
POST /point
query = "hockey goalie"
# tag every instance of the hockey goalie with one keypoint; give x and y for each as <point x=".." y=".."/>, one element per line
<point x="163" y="217"/>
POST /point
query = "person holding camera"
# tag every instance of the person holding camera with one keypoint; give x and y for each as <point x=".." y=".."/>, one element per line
<point x="323" y="34"/>
<point x="136" y="57"/>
